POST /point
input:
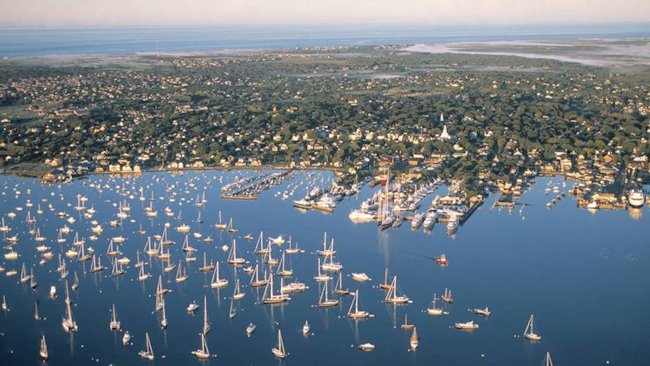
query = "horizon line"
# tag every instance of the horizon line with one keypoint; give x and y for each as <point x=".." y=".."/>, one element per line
<point x="471" y="25"/>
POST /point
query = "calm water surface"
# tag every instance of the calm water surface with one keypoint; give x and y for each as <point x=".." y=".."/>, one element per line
<point x="585" y="277"/>
<point x="19" y="42"/>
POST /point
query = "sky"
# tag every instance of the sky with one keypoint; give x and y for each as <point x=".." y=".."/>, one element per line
<point x="229" y="12"/>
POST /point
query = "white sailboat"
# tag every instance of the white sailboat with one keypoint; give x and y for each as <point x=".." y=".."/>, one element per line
<point x="232" y="311"/>
<point x="354" y="312"/>
<point x="547" y="360"/>
<point x="324" y="301"/>
<point x="260" y="249"/>
<point x="206" y="267"/>
<point x="232" y="256"/>
<point x="206" y="321"/>
<point x="114" y="324"/>
<point x="96" y="264"/>
<point x="320" y="277"/>
<point x="237" y="293"/>
<point x="338" y="289"/>
<point x="270" y="297"/>
<point x="159" y="288"/>
<point x="415" y="340"/>
<point x="181" y="274"/>
<point x="148" y="353"/>
<point x="279" y="351"/>
<point x="142" y="275"/>
<point x="433" y="309"/>
<point x="68" y="323"/>
<point x="203" y="352"/>
<point x="163" y="320"/>
<point x="217" y="281"/>
<point x="392" y="296"/>
<point x="529" y="332"/>
<point x="43" y="349"/>
<point x="326" y="251"/>
<point x="282" y="271"/>
<point x="255" y="279"/>
<point x="306" y="328"/>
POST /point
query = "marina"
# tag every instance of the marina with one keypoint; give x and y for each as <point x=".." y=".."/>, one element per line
<point x="357" y="287"/>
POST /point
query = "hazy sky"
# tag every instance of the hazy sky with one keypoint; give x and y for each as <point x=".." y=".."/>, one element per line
<point x="215" y="12"/>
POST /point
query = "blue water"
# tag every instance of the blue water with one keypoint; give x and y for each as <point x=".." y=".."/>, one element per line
<point x="585" y="277"/>
<point x="15" y="42"/>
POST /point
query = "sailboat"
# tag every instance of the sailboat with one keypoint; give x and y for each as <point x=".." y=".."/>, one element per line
<point x="220" y="225"/>
<point x="282" y="271"/>
<point x="117" y="268"/>
<point x="181" y="274"/>
<point x="142" y="275"/>
<point x="232" y="256"/>
<point x="279" y="351"/>
<point x="24" y="277"/>
<point x="385" y="285"/>
<point x="232" y="311"/>
<point x="324" y="301"/>
<point x="446" y="297"/>
<point x="306" y="328"/>
<point x="259" y="246"/>
<point x="327" y="251"/>
<point x="203" y="352"/>
<point x="36" y="315"/>
<point x="392" y="296"/>
<point x="406" y="324"/>
<point x="433" y="309"/>
<point x="547" y="360"/>
<point x="159" y="289"/>
<point x="354" y="312"/>
<point x="68" y="323"/>
<point x="255" y="279"/>
<point x="32" y="280"/>
<point x="415" y="340"/>
<point x="163" y="321"/>
<point x="126" y="338"/>
<point x="321" y="277"/>
<point x="529" y="332"/>
<point x="339" y="290"/>
<point x="96" y="264"/>
<point x="114" y="324"/>
<point x="148" y="353"/>
<point x="206" y="322"/>
<point x="231" y="229"/>
<point x="216" y="281"/>
<point x="237" y="293"/>
<point x="270" y="297"/>
<point x="292" y="249"/>
<point x="331" y="266"/>
<point x="43" y="349"/>
<point x="206" y="267"/>
<point x="75" y="282"/>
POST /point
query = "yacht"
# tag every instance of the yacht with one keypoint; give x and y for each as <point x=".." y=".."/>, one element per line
<point x="366" y="347"/>
<point x="636" y="197"/>
<point x="250" y="329"/>
<point x="484" y="312"/>
<point x="306" y="328"/>
<point x="360" y="277"/>
<point x="470" y="325"/>
<point x="361" y="216"/>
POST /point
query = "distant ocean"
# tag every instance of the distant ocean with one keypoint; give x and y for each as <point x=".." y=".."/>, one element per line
<point x="21" y="42"/>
